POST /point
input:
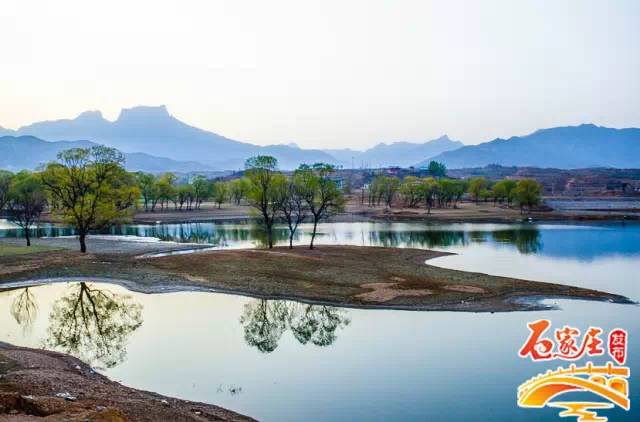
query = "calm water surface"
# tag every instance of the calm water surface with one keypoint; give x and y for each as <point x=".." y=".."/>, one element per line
<point x="281" y="360"/>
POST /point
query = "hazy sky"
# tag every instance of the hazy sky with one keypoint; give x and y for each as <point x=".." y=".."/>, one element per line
<point x="327" y="73"/>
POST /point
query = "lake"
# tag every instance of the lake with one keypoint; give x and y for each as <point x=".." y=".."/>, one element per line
<point x="282" y="360"/>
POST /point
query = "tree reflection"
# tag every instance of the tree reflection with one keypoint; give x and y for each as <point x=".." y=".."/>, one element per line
<point x="419" y="238"/>
<point x="317" y="324"/>
<point x="527" y="241"/>
<point x="265" y="321"/>
<point x="24" y="309"/>
<point x="93" y="324"/>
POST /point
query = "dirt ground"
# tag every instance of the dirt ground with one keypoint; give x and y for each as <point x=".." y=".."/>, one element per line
<point x="353" y="276"/>
<point x="39" y="385"/>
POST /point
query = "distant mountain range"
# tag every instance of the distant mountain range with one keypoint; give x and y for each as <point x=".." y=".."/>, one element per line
<point x="28" y="152"/>
<point x="156" y="141"/>
<point x="567" y="147"/>
<point x="153" y="130"/>
<point x="400" y="154"/>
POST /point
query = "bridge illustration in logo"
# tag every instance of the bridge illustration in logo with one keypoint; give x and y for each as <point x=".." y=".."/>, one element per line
<point x="608" y="382"/>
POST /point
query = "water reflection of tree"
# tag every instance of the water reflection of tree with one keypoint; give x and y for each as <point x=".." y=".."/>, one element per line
<point x="24" y="309"/>
<point x="93" y="324"/>
<point x="317" y="324"/>
<point x="265" y="321"/>
<point x="527" y="241"/>
<point x="424" y="239"/>
<point x="216" y="234"/>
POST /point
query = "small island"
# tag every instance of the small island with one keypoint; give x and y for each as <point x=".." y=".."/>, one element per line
<point x="349" y="276"/>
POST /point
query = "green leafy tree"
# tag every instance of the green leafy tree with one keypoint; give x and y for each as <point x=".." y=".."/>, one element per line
<point x="238" y="189"/>
<point x="385" y="189"/>
<point x="429" y="189"/>
<point x="510" y="186"/>
<point x="220" y="193"/>
<point x="498" y="192"/>
<point x="148" y="189"/>
<point x="503" y="190"/>
<point x="185" y="196"/>
<point x="476" y="186"/>
<point x="391" y="187"/>
<point x="437" y="169"/>
<point x="321" y="193"/>
<point x="27" y="201"/>
<point x="167" y="190"/>
<point x="202" y="190"/>
<point x="261" y="171"/>
<point x="5" y="184"/>
<point x="91" y="188"/>
<point x="459" y="188"/>
<point x="375" y="191"/>
<point x="447" y="192"/>
<point x="411" y="191"/>
<point x="528" y="193"/>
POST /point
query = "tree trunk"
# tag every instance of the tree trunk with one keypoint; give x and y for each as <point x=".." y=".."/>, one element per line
<point x="27" y="236"/>
<point x="313" y="235"/>
<point x="290" y="240"/>
<point x="83" y="243"/>
<point x="269" y="237"/>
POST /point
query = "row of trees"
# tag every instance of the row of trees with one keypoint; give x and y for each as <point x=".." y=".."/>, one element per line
<point x="524" y="192"/>
<point x="430" y="192"/>
<point x="309" y="193"/>
<point x="91" y="190"/>
<point x="161" y="191"/>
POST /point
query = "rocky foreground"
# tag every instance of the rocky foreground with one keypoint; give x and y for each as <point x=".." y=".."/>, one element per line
<point x="39" y="385"/>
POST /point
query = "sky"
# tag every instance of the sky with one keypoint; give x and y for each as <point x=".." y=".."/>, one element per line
<point x="327" y="74"/>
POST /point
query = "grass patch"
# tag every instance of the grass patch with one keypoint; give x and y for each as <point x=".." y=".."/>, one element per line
<point x="10" y="250"/>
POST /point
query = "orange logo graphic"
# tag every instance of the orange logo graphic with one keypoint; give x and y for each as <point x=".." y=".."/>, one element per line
<point x="607" y="382"/>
